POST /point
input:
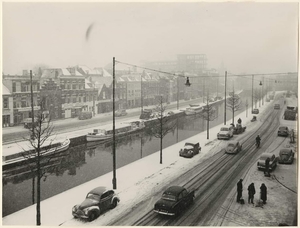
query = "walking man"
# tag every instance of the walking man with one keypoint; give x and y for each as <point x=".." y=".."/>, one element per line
<point x="239" y="190"/>
<point x="263" y="193"/>
<point x="251" y="193"/>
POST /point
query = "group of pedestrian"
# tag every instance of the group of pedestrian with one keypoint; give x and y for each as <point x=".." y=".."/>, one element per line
<point x="251" y="192"/>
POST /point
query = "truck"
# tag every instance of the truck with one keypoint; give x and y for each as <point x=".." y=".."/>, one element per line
<point x="174" y="199"/>
<point x="290" y="113"/>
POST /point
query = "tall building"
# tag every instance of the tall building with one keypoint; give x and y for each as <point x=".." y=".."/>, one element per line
<point x="192" y="63"/>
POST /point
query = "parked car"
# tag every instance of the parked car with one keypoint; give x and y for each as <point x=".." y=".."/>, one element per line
<point x="120" y="112"/>
<point x="226" y="132"/>
<point x="96" y="201"/>
<point x="233" y="147"/>
<point x="286" y="156"/>
<point x="262" y="161"/>
<point x="174" y="200"/>
<point x="189" y="150"/>
<point x="276" y="106"/>
<point x="147" y="114"/>
<point x="85" y="115"/>
<point x="255" y="111"/>
<point x="283" y="131"/>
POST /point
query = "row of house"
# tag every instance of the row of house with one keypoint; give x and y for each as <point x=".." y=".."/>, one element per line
<point x="66" y="92"/>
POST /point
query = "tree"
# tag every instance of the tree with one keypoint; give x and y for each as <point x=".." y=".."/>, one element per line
<point x="208" y="113"/>
<point x="37" y="158"/>
<point x="162" y="125"/>
<point x="233" y="103"/>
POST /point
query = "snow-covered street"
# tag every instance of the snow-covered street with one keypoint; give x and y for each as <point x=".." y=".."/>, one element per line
<point x="146" y="176"/>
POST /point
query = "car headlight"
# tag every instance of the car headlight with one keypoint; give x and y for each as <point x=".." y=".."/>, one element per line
<point x="74" y="209"/>
<point x="86" y="210"/>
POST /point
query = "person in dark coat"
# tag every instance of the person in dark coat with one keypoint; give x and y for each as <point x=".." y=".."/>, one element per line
<point x="263" y="193"/>
<point x="239" y="121"/>
<point x="267" y="166"/>
<point x="239" y="190"/>
<point x="251" y="193"/>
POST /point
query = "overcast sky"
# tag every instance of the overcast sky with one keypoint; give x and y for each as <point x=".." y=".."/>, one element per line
<point x="246" y="37"/>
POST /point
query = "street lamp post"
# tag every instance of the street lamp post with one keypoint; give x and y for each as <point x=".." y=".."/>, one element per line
<point x="260" y="94"/>
<point x="114" y="180"/>
<point x="225" y="98"/>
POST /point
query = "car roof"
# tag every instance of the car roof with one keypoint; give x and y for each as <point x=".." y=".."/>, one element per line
<point x="99" y="190"/>
<point x="173" y="190"/>
<point x="285" y="150"/>
<point x="266" y="155"/>
<point x="190" y="143"/>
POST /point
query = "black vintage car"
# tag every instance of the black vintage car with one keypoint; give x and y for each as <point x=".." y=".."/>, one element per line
<point x="97" y="201"/>
<point x="174" y="200"/>
<point x="189" y="150"/>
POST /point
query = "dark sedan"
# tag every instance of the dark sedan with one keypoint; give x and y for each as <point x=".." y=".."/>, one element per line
<point x="286" y="156"/>
<point x="96" y="201"/>
<point x="283" y="131"/>
<point x="189" y="150"/>
<point x="174" y="200"/>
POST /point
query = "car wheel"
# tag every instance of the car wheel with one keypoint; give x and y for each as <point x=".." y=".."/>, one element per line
<point x="114" y="203"/>
<point x="92" y="216"/>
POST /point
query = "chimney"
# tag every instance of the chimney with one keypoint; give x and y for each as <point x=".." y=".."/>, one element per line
<point x="25" y="72"/>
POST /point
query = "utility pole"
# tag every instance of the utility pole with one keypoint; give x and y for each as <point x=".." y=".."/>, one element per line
<point x="225" y="98"/>
<point x="177" y="93"/>
<point x="114" y="180"/>
<point x="263" y="90"/>
<point x="252" y="94"/>
<point x="142" y="92"/>
<point x="32" y="109"/>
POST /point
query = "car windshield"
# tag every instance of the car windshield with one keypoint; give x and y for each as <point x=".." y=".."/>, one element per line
<point x="188" y="147"/>
<point x="169" y="197"/>
<point x="93" y="196"/>
<point x="230" y="145"/>
<point x="224" y="129"/>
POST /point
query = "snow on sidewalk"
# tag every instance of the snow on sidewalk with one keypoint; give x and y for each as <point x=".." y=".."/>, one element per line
<point x="134" y="182"/>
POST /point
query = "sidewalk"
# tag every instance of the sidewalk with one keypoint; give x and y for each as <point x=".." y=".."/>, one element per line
<point x="135" y="182"/>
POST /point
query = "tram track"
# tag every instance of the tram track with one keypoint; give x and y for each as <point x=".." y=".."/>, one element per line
<point x="214" y="179"/>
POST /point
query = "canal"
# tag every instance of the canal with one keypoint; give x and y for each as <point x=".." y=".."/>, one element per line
<point x="85" y="162"/>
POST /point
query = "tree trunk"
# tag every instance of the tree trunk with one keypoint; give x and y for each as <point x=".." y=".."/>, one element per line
<point x="207" y="127"/>
<point x="38" y="194"/>
<point x="33" y="189"/>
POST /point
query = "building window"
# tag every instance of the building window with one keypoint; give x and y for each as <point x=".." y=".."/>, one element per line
<point x="23" y="88"/>
<point x="79" y="99"/>
<point x="5" y="102"/>
<point x="15" y="104"/>
<point x="74" y="100"/>
<point x="73" y="86"/>
<point x="23" y="103"/>
<point x="14" y="87"/>
<point x="84" y="99"/>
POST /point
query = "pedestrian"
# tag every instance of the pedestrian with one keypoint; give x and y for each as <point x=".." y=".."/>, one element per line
<point x="251" y="193"/>
<point x="263" y="193"/>
<point x="239" y="121"/>
<point x="239" y="190"/>
<point x="267" y="166"/>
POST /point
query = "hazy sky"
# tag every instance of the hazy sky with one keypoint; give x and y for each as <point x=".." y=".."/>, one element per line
<point x="246" y="37"/>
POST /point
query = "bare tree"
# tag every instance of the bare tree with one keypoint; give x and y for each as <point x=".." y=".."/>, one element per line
<point x="162" y="125"/>
<point x="208" y="113"/>
<point x="233" y="103"/>
<point x="42" y="152"/>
